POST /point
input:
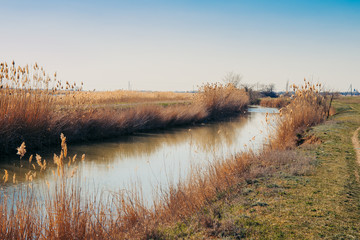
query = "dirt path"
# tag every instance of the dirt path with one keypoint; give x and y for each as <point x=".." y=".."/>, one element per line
<point x="355" y="141"/>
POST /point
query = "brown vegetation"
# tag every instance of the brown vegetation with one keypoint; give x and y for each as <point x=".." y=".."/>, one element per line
<point x="119" y="97"/>
<point x="36" y="108"/>
<point x="70" y="214"/>
<point x="307" y="108"/>
<point x="274" y="102"/>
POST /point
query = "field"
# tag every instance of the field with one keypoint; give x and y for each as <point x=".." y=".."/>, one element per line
<point x="70" y="213"/>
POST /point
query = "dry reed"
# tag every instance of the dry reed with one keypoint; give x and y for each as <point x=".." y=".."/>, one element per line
<point x="35" y="108"/>
<point x="307" y="108"/>
<point x="28" y="98"/>
<point x="274" y="102"/>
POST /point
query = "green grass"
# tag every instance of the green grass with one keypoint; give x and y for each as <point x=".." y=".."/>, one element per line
<point x="323" y="204"/>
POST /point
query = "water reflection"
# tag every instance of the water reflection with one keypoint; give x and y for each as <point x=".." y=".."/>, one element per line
<point x="204" y="137"/>
<point x="155" y="157"/>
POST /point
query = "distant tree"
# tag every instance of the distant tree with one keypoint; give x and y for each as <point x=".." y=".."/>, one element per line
<point x="268" y="90"/>
<point x="233" y="78"/>
<point x="247" y="87"/>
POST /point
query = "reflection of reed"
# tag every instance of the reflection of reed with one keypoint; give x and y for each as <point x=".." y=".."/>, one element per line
<point x="205" y="138"/>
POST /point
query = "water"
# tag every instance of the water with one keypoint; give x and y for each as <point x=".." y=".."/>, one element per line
<point x="156" y="158"/>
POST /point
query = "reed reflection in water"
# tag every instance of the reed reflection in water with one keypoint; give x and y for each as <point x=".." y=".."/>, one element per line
<point x="157" y="158"/>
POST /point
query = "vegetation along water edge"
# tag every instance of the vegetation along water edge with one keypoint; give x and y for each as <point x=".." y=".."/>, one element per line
<point x="311" y="191"/>
<point x="194" y="207"/>
<point x="36" y="108"/>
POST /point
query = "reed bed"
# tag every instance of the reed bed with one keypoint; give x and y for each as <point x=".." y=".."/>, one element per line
<point x="36" y="108"/>
<point x="72" y="214"/>
<point x="275" y="102"/>
<point x="307" y="109"/>
<point x="27" y="103"/>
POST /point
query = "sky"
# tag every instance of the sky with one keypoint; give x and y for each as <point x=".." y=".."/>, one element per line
<point x="178" y="45"/>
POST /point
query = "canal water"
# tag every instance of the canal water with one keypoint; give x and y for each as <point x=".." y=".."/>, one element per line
<point x="152" y="159"/>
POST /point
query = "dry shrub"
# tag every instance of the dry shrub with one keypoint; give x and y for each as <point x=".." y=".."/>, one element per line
<point x="274" y="102"/>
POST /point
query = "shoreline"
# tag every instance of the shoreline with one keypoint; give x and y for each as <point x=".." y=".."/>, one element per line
<point x="131" y="130"/>
<point x="314" y="196"/>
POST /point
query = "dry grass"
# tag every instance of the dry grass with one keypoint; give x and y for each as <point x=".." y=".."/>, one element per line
<point x="125" y="97"/>
<point x="27" y="103"/>
<point x="36" y="108"/>
<point x="307" y="108"/>
<point x="70" y="213"/>
<point x="275" y="102"/>
<point x="222" y="100"/>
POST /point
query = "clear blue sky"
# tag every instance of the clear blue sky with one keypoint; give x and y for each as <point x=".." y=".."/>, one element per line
<point x="177" y="45"/>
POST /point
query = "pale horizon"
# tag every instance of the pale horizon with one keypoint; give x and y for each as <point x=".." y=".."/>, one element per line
<point x="178" y="45"/>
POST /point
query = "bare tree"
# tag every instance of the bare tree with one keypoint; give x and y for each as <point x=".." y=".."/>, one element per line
<point x="329" y="95"/>
<point x="267" y="90"/>
<point x="233" y="78"/>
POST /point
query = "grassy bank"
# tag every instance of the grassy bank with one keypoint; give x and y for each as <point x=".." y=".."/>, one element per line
<point x="312" y="193"/>
<point x="36" y="108"/>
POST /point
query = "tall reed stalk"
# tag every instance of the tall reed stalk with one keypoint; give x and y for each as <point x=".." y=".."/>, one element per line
<point x="307" y="109"/>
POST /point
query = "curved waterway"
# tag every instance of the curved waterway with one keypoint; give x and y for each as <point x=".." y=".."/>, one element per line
<point x="155" y="158"/>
